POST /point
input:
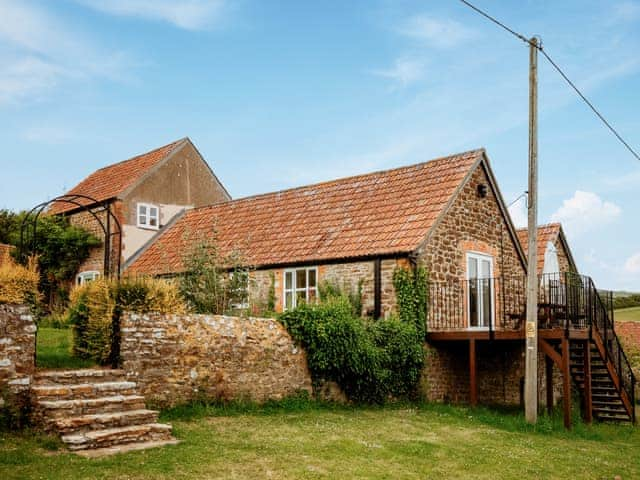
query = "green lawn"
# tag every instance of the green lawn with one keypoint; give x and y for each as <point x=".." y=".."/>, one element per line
<point x="627" y="314"/>
<point x="307" y="440"/>
<point x="54" y="349"/>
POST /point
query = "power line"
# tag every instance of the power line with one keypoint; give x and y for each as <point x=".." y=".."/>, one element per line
<point x="559" y="70"/>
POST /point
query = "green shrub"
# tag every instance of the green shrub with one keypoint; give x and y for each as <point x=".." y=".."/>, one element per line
<point x="331" y="289"/>
<point x="95" y="310"/>
<point x="371" y="361"/>
<point x="412" y="297"/>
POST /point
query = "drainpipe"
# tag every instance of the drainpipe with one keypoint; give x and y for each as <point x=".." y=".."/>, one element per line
<point x="377" y="288"/>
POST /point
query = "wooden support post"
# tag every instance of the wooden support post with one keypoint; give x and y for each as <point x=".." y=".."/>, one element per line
<point x="566" y="383"/>
<point x="549" y="376"/>
<point x="588" y="397"/>
<point x="473" y="383"/>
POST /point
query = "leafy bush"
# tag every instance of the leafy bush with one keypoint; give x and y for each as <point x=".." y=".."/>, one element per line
<point x="212" y="283"/>
<point x="60" y="247"/>
<point x="412" y="297"/>
<point x="19" y="283"/>
<point x="95" y="310"/>
<point x="331" y="289"/>
<point x="371" y="361"/>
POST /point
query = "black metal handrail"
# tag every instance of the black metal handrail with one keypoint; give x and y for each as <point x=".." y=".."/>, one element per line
<point x="566" y="300"/>
<point x="489" y="303"/>
<point x="613" y="348"/>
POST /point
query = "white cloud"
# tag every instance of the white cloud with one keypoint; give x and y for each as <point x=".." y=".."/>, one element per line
<point x="404" y="71"/>
<point x="187" y="14"/>
<point x="632" y="265"/>
<point x="38" y="52"/>
<point x="518" y="212"/>
<point x="625" y="12"/>
<point x="585" y="211"/>
<point x="440" y="33"/>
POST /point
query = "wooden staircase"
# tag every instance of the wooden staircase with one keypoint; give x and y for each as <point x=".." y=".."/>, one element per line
<point x="608" y="401"/>
<point x="96" y="412"/>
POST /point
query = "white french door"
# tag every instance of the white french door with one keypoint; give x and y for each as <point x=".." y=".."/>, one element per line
<point x="480" y="311"/>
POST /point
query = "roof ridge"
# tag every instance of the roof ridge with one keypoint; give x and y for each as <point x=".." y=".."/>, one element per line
<point x="340" y="179"/>
<point x="174" y="144"/>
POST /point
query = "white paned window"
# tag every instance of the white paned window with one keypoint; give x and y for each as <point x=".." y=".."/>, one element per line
<point x="300" y="286"/>
<point x="148" y="216"/>
<point x="480" y="301"/>
<point x="86" y="277"/>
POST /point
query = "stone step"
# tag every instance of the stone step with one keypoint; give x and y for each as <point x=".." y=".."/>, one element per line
<point x="82" y="390"/>
<point x="53" y="409"/>
<point x="81" y="376"/>
<point x="127" y="447"/>
<point x="84" y="423"/>
<point x="110" y="437"/>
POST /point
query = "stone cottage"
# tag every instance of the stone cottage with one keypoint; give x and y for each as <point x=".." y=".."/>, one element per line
<point x="448" y="215"/>
<point x="145" y="194"/>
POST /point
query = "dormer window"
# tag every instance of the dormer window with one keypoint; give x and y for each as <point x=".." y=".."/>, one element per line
<point x="148" y="216"/>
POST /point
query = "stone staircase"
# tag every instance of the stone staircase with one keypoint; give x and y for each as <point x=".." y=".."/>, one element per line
<point x="96" y="412"/>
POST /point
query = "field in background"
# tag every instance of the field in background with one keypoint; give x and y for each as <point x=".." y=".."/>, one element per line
<point x="627" y="314"/>
<point x="53" y="349"/>
<point x="303" y="439"/>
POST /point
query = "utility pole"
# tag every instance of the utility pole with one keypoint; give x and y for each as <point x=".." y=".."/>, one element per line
<point x="531" y="355"/>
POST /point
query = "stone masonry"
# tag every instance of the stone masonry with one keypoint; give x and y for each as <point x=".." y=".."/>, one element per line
<point x="17" y="350"/>
<point x="177" y="358"/>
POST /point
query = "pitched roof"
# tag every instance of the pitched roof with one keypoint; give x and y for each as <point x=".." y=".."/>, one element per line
<point x="380" y="213"/>
<point x="546" y="233"/>
<point x="108" y="182"/>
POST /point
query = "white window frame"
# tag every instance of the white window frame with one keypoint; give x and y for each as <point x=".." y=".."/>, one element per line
<point x="87" y="276"/>
<point x="480" y="256"/>
<point x="147" y="216"/>
<point x="294" y="290"/>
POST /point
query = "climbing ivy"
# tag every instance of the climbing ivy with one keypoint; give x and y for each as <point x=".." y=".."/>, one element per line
<point x="412" y="296"/>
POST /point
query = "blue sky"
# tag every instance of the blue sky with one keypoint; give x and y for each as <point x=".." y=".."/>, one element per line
<point x="283" y="93"/>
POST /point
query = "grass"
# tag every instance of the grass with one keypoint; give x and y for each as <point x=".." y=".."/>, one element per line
<point x="631" y="314"/>
<point x="53" y="349"/>
<point x="302" y="439"/>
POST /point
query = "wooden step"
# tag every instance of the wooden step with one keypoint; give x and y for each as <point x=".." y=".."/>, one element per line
<point x="81" y="376"/>
<point x="73" y="408"/>
<point x="109" y="437"/>
<point x="84" y="423"/>
<point x="82" y="390"/>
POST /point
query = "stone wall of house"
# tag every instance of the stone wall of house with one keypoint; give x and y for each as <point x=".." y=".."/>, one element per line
<point x="473" y="224"/>
<point x="5" y="253"/>
<point x="176" y="358"/>
<point x="17" y="352"/>
<point x="348" y="275"/>
<point x="500" y="373"/>
<point x="83" y="219"/>
<point x="563" y="257"/>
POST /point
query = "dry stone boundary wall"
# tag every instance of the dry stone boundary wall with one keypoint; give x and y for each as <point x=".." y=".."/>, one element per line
<point x="17" y="352"/>
<point x="178" y="358"/>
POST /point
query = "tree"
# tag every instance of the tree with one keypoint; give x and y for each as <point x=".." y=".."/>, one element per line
<point x="60" y="247"/>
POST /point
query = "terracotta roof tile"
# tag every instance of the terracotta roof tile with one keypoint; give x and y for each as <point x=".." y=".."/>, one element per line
<point x="379" y="213"/>
<point x="108" y="182"/>
<point x="546" y="233"/>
